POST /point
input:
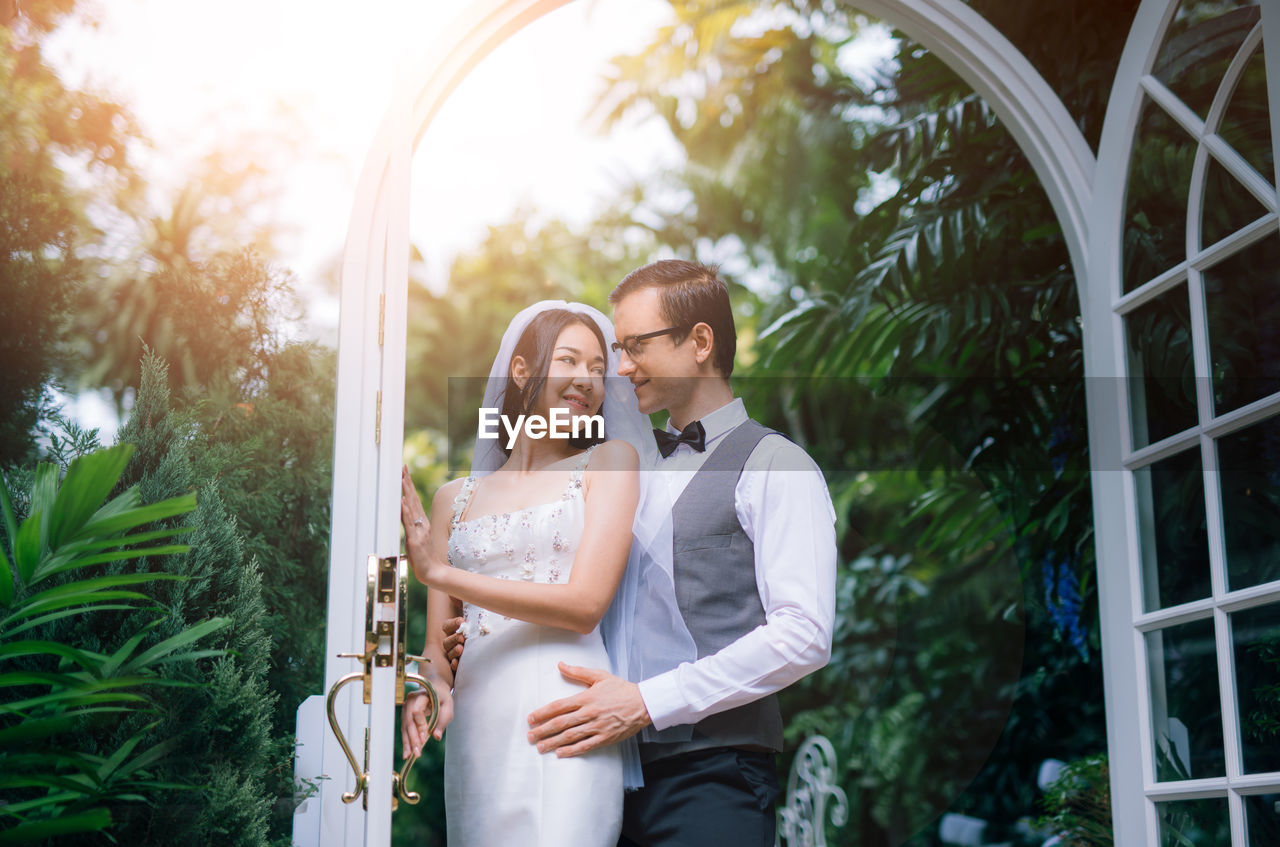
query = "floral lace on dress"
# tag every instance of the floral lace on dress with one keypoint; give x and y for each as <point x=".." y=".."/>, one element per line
<point x="534" y="544"/>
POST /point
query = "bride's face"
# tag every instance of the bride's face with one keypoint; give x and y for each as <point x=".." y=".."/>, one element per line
<point x="575" y="377"/>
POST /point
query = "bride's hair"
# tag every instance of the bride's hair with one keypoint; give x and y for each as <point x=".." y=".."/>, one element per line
<point x="536" y="345"/>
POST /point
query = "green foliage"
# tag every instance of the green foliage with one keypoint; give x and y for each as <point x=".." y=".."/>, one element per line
<point x="1262" y="724"/>
<point x="255" y="428"/>
<point x="45" y="235"/>
<point x="921" y="653"/>
<point x="39" y="273"/>
<point x="270" y="450"/>
<point x="212" y="716"/>
<point x="51" y="575"/>
<point x="223" y="730"/>
<point x="216" y="321"/>
<point x="1078" y="804"/>
<point x="251" y="428"/>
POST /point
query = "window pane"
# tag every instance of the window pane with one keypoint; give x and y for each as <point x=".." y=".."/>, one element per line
<point x="1262" y="818"/>
<point x="1185" y="708"/>
<point x="1161" y="369"/>
<point x="1200" y="43"/>
<point x="1227" y="206"/>
<point x="1249" y="465"/>
<point x="1155" y="234"/>
<point x="1174" y="540"/>
<point x="1255" y="634"/>
<point x="1246" y="126"/>
<point x="1244" y="324"/>
<point x="1194" y="823"/>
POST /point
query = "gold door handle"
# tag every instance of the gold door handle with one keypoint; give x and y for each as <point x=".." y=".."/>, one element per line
<point x="386" y="583"/>
<point x="380" y="577"/>
<point x="362" y="776"/>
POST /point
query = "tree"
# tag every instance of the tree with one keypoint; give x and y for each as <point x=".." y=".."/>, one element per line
<point x="213" y="715"/>
<point x="248" y="409"/>
<point x="223" y="731"/>
<point x="199" y="258"/>
<point x="59" y="689"/>
<point x="45" y="233"/>
<point x="216" y="320"/>
<point x="251" y="422"/>
<point x="270" y="449"/>
<point x="40" y="272"/>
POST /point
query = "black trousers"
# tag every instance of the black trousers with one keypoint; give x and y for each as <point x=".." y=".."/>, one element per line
<point x="719" y="796"/>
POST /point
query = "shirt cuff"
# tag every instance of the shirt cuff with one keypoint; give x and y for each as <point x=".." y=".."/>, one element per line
<point x="662" y="699"/>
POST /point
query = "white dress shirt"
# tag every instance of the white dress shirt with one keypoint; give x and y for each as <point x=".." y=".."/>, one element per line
<point x="783" y="505"/>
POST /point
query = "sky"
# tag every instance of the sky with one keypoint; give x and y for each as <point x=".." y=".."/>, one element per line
<point x="314" y="78"/>
<point x="318" y="76"/>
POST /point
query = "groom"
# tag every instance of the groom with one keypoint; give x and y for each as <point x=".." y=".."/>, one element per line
<point x="754" y="570"/>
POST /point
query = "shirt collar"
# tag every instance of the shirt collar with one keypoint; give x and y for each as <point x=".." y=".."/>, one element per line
<point x="723" y="420"/>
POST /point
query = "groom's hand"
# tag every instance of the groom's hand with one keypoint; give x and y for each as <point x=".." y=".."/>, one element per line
<point x="610" y="710"/>
<point x="454" y="641"/>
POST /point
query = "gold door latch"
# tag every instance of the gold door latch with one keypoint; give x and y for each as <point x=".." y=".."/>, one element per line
<point x="387" y="585"/>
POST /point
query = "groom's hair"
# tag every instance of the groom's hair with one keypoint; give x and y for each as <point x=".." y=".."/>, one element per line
<point x="690" y="293"/>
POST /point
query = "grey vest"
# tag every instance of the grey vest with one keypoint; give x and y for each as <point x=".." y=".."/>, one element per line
<point x="715" y="580"/>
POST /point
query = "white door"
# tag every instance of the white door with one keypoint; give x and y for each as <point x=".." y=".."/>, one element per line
<point x="1185" y="312"/>
<point x="368" y="447"/>
<point x="366" y="603"/>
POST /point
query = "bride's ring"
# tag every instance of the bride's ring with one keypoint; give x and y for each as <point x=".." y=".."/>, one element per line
<point x="418" y="522"/>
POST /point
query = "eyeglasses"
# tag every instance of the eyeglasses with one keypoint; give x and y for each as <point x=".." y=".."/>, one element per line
<point x="633" y="343"/>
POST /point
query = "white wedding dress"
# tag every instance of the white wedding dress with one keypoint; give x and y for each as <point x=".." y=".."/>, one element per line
<point x="499" y="790"/>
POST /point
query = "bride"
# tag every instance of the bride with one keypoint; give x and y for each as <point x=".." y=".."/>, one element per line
<point x="530" y="544"/>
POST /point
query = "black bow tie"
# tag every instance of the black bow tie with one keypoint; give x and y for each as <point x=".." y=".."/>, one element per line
<point x="693" y="435"/>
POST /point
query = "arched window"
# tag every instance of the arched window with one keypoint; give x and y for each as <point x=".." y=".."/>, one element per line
<point x="1190" y="272"/>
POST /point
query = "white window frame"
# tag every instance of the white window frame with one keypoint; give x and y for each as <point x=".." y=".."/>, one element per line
<point x="1131" y="700"/>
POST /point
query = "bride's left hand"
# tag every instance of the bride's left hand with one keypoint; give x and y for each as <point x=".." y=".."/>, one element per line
<point x="417" y="528"/>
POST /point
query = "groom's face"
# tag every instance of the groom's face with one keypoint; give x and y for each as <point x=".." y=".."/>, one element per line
<point x="661" y="371"/>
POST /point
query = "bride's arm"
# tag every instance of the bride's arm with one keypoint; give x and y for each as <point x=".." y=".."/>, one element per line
<point x="611" y="491"/>
<point x="421" y="540"/>
<point x="440" y="607"/>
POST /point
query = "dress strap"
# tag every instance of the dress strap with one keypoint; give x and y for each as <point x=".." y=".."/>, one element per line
<point x="461" y="500"/>
<point x="575" y="475"/>
<point x="584" y="459"/>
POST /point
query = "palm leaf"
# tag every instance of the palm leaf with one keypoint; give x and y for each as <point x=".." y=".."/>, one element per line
<point x="174" y="643"/>
<point x="41" y="620"/>
<point x="26" y="545"/>
<point x="94" y="820"/>
<point x="88" y="481"/>
<point x="125" y="519"/>
<point x="13" y="649"/>
<point x="6" y="511"/>
<point x="6" y="579"/>
<point x="57" y="564"/>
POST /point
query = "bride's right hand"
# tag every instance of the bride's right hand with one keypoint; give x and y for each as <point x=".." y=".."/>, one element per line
<point x="417" y="528"/>
<point x="414" y="719"/>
